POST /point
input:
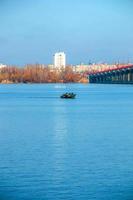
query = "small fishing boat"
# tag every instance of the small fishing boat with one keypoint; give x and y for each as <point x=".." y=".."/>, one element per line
<point x="68" y="96"/>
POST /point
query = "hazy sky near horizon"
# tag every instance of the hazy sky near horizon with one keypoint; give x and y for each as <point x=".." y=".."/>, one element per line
<point x="87" y="30"/>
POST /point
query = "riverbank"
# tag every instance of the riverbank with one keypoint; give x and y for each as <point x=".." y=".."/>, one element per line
<point x="83" y="80"/>
<point x="10" y="75"/>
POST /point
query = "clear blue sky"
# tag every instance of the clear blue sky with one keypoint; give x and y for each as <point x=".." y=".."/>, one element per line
<point x="98" y="30"/>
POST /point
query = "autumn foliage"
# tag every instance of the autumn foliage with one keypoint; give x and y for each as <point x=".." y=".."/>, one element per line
<point x="38" y="74"/>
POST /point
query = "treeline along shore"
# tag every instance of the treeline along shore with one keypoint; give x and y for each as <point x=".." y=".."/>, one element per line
<point x="39" y="74"/>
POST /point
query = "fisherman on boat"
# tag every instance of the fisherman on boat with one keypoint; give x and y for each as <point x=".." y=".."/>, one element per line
<point x="68" y="95"/>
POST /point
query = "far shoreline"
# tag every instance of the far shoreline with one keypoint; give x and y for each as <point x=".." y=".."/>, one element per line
<point x="43" y="83"/>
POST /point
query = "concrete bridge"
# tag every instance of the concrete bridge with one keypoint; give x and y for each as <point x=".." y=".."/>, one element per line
<point x="121" y="75"/>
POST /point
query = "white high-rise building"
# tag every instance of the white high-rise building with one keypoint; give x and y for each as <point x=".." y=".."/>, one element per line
<point x="60" y="60"/>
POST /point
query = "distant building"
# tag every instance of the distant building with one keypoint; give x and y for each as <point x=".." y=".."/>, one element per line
<point x="93" y="68"/>
<point x="80" y="68"/>
<point x="60" y="60"/>
<point x="2" y="66"/>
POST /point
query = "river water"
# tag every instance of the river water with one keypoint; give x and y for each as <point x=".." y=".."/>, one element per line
<point x="58" y="149"/>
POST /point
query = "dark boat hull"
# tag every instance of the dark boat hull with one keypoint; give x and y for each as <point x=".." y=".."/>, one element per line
<point x="68" y="96"/>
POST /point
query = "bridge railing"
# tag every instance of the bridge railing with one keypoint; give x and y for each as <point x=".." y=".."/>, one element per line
<point x="118" y="67"/>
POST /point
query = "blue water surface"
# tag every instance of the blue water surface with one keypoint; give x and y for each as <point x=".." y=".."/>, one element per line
<point x="64" y="149"/>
